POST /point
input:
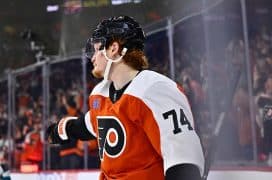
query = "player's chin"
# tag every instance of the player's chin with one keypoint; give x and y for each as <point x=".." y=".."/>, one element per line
<point x="96" y="73"/>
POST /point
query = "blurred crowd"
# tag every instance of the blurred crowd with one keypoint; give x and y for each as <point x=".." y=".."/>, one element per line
<point x="209" y="79"/>
<point x="66" y="99"/>
<point x="192" y="72"/>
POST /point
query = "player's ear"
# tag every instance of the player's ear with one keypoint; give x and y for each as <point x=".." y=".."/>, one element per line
<point x="114" y="48"/>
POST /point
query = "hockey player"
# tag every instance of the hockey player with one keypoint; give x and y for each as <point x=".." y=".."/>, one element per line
<point x="141" y="119"/>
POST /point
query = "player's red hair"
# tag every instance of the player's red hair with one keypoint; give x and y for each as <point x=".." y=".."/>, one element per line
<point x="135" y="58"/>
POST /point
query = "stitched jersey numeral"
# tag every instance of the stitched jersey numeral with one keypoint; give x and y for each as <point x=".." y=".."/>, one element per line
<point x="182" y="119"/>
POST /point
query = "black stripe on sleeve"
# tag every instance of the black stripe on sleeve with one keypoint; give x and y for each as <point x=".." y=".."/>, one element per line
<point x="77" y="129"/>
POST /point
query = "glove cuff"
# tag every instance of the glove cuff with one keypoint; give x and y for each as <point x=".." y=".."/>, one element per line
<point x="62" y="127"/>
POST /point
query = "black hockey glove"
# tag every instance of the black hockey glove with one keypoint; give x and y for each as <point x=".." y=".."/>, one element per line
<point x="52" y="134"/>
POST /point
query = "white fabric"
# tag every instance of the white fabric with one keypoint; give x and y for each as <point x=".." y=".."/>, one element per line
<point x="88" y="124"/>
<point x="1" y="170"/>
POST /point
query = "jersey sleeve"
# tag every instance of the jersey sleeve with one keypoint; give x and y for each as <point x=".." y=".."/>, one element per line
<point x="80" y="128"/>
<point x="178" y="141"/>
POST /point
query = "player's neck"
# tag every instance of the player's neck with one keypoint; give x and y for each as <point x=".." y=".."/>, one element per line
<point x="121" y="75"/>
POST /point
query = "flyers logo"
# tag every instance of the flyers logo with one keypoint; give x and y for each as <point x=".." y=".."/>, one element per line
<point x="112" y="136"/>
